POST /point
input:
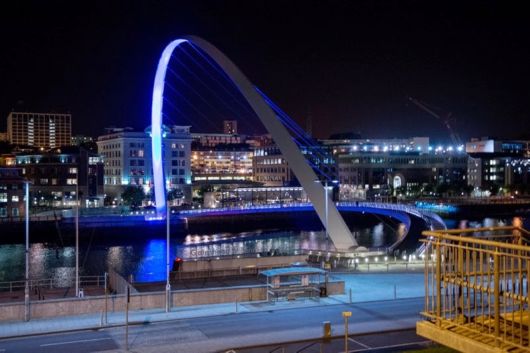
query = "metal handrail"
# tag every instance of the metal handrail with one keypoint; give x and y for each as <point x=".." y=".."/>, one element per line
<point x="51" y="283"/>
<point x="479" y="285"/>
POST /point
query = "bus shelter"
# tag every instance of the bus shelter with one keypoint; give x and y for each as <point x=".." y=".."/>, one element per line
<point x="293" y="282"/>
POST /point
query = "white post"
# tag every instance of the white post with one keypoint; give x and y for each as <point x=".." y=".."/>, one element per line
<point x="326" y="206"/>
<point x="26" y="286"/>
<point x="77" y="235"/>
<point x="168" y="285"/>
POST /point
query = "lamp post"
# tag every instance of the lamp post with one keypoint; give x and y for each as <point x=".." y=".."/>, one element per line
<point x="26" y="285"/>
<point x="168" y="285"/>
<point x="77" y="235"/>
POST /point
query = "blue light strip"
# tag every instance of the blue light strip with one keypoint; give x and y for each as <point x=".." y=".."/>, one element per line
<point x="156" y="126"/>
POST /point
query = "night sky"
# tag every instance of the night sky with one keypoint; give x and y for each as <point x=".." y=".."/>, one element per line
<point x="352" y="64"/>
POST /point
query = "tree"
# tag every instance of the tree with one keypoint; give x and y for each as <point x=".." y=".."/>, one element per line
<point x="133" y="196"/>
<point x="175" y="194"/>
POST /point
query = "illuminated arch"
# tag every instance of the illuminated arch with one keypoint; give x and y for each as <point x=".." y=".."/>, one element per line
<point x="337" y="228"/>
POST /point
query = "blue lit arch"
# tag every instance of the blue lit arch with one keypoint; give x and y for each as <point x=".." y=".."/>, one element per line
<point x="337" y="228"/>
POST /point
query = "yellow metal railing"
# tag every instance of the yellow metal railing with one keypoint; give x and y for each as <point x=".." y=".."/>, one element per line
<point x="476" y="284"/>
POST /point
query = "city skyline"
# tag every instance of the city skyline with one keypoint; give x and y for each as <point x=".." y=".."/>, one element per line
<point x="357" y="65"/>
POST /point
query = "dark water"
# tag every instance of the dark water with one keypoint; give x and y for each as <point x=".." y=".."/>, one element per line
<point x="145" y="259"/>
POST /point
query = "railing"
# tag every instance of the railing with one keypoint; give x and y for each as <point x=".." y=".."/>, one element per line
<point x="31" y="218"/>
<point x="84" y="281"/>
<point x="476" y="284"/>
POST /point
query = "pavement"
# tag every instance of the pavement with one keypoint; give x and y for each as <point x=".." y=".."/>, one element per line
<point x="231" y="331"/>
<point x="391" y="290"/>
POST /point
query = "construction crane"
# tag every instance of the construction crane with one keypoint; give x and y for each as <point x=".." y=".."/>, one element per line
<point x="455" y="139"/>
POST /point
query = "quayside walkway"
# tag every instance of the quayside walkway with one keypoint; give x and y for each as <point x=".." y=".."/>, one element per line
<point x="359" y="288"/>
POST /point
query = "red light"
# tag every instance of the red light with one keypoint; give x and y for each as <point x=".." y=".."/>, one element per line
<point x="178" y="259"/>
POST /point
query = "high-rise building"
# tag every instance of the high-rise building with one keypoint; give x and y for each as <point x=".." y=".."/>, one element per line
<point x="43" y="130"/>
<point x="230" y="127"/>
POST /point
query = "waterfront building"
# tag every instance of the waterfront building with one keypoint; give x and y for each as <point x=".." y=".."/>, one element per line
<point x="226" y="162"/>
<point x="42" y="130"/>
<point x="494" y="164"/>
<point x="11" y="193"/>
<point x="58" y="174"/>
<point x="128" y="160"/>
<point x="393" y="167"/>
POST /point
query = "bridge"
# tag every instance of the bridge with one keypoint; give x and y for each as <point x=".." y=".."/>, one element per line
<point x="272" y="118"/>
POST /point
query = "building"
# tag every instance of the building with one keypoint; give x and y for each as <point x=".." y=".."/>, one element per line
<point x="214" y="139"/>
<point x="230" y="127"/>
<point x="128" y="160"/>
<point x="222" y="163"/>
<point x="346" y="145"/>
<point x="11" y="193"/>
<point x="393" y="167"/>
<point x="270" y="168"/>
<point x="42" y="130"/>
<point x="78" y="140"/>
<point x="61" y="176"/>
<point x="494" y="164"/>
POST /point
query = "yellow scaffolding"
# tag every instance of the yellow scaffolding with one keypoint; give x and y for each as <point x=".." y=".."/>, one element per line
<point x="476" y="289"/>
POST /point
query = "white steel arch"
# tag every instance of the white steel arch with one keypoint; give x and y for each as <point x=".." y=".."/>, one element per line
<point x="337" y="228"/>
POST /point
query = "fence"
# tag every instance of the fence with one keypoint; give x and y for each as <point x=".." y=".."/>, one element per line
<point x="84" y="281"/>
<point x="476" y="288"/>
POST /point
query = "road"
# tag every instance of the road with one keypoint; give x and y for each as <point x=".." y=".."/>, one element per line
<point x="218" y="333"/>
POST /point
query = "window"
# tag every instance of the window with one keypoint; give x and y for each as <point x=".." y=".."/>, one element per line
<point x="3" y="197"/>
<point x="14" y="198"/>
<point x="15" y="212"/>
<point x="44" y="181"/>
<point x="181" y="154"/>
<point x="3" y="211"/>
<point x="71" y="181"/>
<point x="72" y="170"/>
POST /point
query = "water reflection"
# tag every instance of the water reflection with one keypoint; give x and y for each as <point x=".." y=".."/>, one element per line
<point x="145" y="260"/>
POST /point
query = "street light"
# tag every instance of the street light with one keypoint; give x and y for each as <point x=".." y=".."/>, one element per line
<point x="168" y="284"/>
<point x="26" y="285"/>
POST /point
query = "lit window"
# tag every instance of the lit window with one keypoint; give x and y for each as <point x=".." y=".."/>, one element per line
<point x="14" y="198"/>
